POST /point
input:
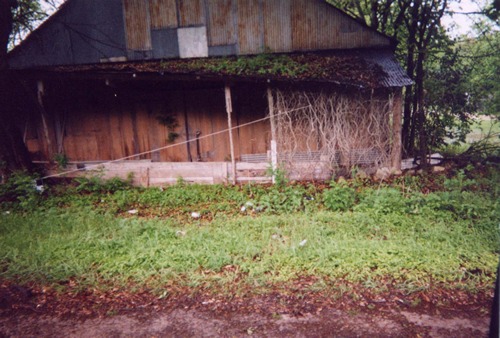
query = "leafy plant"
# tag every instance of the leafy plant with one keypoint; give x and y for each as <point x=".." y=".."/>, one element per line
<point x="279" y="174"/>
<point x="61" y="160"/>
<point x="339" y="197"/>
<point x="171" y="123"/>
<point x="95" y="183"/>
<point x="20" y="190"/>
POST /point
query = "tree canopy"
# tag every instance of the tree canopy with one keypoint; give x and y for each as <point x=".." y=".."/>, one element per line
<point x="453" y="79"/>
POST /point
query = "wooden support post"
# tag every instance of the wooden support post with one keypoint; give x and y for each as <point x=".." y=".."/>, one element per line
<point x="40" y="93"/>
<point x="274" y="147"/>
<point x="229" y="110"/>
<point x="397" y="111"/>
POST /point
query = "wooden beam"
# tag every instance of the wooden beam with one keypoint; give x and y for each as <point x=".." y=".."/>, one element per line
<point x="274" y="148"/>
<point x="229" y="110"/>
<point x="397" y="112"/>
<point x="43" y="113"/>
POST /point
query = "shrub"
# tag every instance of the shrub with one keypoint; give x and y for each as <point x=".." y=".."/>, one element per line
<point x="384" y="200"/>
<point x="20" y="190"/>
<point x="339" y="197"/>
<point x="97" y="184"/>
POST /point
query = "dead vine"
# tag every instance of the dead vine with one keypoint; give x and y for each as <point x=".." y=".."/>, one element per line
<point x="318" y="132"/>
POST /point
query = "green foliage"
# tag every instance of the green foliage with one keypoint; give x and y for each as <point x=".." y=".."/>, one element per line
<point x="339" y="197"/>
<point x="279" y="175"/>
<point x="261" y="64"/>
<point x="449" y="236"/>
<point x="411" y="249"/>
<point x="61" y="160"/>
<point x="20" y="191"/>
<point x="171" y="123"/>
<point x="26" y="16"/>
<point x="285" y="200"/>
<point x="481" y="55"/>
<point x="382" y="201"/>
<point x="95" y="183"/>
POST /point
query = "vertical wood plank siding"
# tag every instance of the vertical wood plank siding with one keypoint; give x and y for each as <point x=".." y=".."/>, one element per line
<point x="163" y="14"/>
<point x="191" y="13"/>
<point x="250" y="28"/>
<point x="100" y="126"/>
<point x="137" y="24"/>
<point x="220" y="23"/>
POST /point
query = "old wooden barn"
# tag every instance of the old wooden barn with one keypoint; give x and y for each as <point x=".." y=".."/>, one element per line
<point x="209" y="90"/>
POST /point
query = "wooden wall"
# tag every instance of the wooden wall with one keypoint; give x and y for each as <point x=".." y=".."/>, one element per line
<point x="99" y="122"/>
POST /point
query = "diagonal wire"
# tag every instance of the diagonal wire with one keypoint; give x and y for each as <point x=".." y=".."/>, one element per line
<point x="169" y="146"/>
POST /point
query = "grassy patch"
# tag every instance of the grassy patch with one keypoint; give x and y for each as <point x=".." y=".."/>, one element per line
<point x="482" y="128"/>
<point x="448" y="237"/>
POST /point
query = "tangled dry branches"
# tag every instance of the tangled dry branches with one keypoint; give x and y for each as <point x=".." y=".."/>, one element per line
<point x="318" y="132"/>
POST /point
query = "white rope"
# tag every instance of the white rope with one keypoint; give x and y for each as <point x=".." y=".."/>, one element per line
<point x="168" y="146"/>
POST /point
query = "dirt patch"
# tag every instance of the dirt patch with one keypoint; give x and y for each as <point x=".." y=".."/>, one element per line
<point x="330" y="322"/>
<point x="31" y="311"/>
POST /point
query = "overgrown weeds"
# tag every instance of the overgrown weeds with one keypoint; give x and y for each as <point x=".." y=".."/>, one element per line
<point x="256" y="235"/>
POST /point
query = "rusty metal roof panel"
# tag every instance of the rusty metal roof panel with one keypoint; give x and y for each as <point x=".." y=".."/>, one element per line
<point x="317" y="25"/>
<point x="137" y="24"/>
<point x="163" y="14"/>
<point x="221" y="22"/>
<point x="229" y="27"/>
<point x="191" y="13"/>
<point x="250" y="30"/>
<point x="277" y="25"/>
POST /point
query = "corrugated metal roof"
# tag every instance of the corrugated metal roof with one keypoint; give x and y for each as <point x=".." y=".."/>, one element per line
<point x="250" y="31"/>
<point x="163" y="14"/>
<point x="221" y="27"/>
<point x="137" y="24"/>
<point x="93" y="31"/>
<point x="277" y="25"/>
<point x="395" y="75"/>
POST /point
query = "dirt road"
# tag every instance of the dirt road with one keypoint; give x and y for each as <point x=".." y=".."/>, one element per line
<point x="35" y="312"/>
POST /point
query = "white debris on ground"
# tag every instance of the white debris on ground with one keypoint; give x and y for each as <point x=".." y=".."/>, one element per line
<point x="195" y="215"/>
<point x="133" y="211"/>
<point x="303" y="242"/>
<point x="38" y="186"/>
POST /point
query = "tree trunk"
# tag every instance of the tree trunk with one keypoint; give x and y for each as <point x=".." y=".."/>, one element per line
<point x="13" y="152"/>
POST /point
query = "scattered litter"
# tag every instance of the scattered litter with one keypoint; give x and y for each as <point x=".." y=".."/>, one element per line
<point x="6" y="213"/>
<point x="163" y="295"/>
<point x="133" y="211"/>
<point x="243" y="209"/>
<point x="259" y="208"/>
<point x="195" y="215"/>
<point x="249" y="204"/>
<point x="303" y="242"/>
<point x="39" y="186"/>
<point x="275" y="236"/>
<point x="309" y="198"/>
<point x="180" y="233"/>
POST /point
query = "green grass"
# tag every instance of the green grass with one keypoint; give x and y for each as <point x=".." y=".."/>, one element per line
<point x="354" y="232"/>
<point x="481" y="129"/>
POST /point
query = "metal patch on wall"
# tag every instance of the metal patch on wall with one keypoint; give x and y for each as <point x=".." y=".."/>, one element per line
<point x="165" y="44"/>
<point x="192" y="42"/>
